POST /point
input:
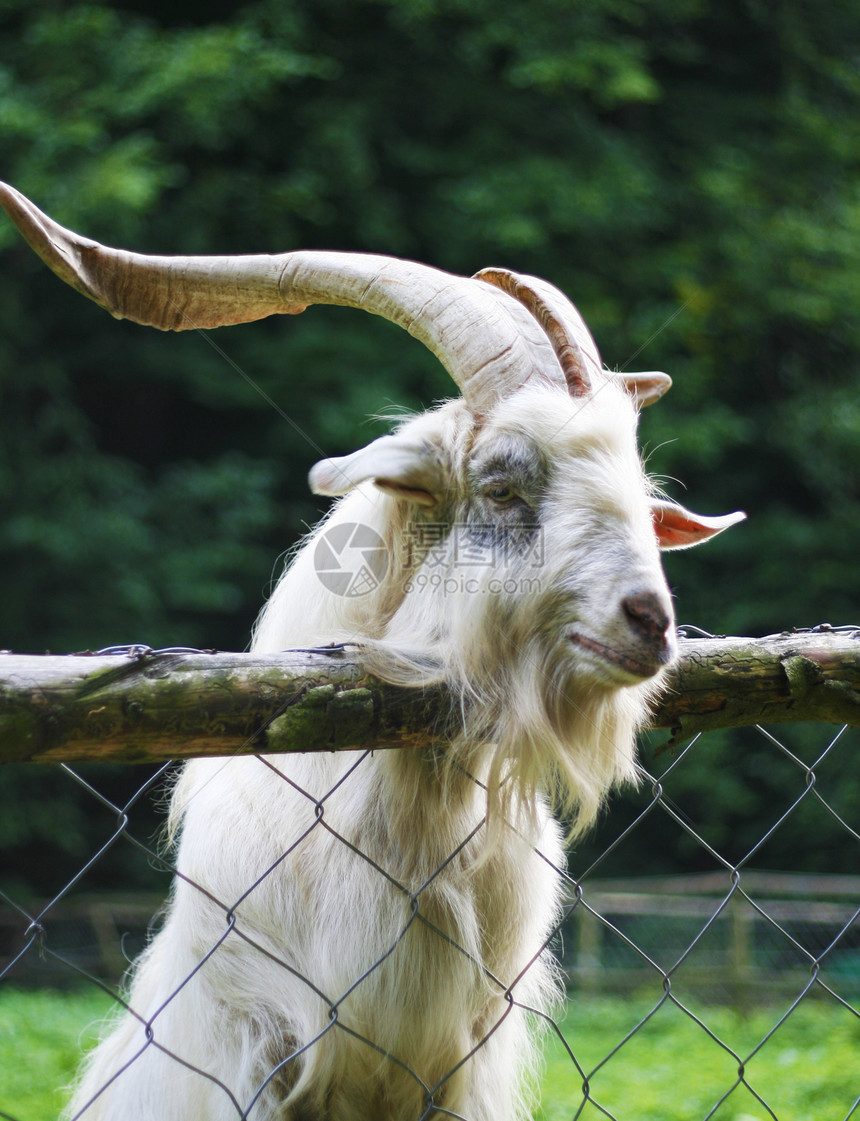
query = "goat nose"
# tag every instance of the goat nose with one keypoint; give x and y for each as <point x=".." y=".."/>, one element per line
<point x="648" y="615"/>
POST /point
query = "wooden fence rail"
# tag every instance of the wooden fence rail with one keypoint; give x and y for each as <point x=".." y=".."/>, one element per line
<point x="148" y="706"/>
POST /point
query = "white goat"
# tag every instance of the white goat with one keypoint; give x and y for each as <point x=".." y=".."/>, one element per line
<point x="362" y="939"/>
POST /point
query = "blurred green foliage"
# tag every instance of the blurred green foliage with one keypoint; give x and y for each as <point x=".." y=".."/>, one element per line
<point x="687" y="171"/>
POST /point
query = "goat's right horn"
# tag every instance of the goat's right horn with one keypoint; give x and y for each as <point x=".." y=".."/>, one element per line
<point x="487" y="341"/>
<point x="571" y="340"/>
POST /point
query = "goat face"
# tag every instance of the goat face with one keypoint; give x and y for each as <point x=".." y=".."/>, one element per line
<point x="530" y="529"/>
<point x="569" y="498"/>
<point x="526" y="547"/>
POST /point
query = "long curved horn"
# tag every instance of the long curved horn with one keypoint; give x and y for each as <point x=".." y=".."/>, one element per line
<point x="488" y="342"/>
<point x="571" y="340"/>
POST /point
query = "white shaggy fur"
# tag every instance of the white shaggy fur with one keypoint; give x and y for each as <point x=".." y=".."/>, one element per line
<point x="362" y="938"/>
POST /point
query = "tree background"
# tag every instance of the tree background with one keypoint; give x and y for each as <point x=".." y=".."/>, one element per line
<point x="686" y="170"/>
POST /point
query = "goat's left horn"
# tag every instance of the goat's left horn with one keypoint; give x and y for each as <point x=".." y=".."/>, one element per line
<point x="170" y="293"/>
<point x="488" y="342"/>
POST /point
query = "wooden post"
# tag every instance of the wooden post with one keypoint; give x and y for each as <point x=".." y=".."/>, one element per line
<point x="588" y="952"/>
<point x="740" y="956"/>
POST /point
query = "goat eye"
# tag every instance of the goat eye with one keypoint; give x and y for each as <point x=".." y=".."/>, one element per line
<point x="501" y="493"/>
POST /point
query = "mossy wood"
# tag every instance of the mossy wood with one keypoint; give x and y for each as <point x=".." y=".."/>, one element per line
<point x="148" y="706"/>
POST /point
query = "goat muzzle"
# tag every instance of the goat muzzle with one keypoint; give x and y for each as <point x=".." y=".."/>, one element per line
<point x="643" y="640"/>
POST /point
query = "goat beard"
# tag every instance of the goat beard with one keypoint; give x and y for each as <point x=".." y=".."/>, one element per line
<point x="530" y="730"/>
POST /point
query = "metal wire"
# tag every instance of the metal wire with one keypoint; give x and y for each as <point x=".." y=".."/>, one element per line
<point x="670" y="988"/>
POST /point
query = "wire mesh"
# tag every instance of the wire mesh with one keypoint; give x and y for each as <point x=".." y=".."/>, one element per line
<point x="766" y="946"/>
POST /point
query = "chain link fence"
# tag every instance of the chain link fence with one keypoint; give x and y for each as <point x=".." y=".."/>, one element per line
<point x="766" y="946"/>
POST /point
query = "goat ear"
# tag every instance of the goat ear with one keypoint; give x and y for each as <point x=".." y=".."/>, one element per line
<point x="677" y="528"/>
<point x="645" y="389"/>
<point x="406" y="468"/>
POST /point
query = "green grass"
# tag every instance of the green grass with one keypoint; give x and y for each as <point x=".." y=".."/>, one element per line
<point x="41" y="1035"/>
<point x="670" y="1071"/>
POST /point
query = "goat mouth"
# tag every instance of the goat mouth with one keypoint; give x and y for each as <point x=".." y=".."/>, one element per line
<point x="640" y="667"/>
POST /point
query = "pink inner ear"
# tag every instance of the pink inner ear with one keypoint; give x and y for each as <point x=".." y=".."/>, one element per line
<point x="414" y="494"/>
<point x="677" y="528"/>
